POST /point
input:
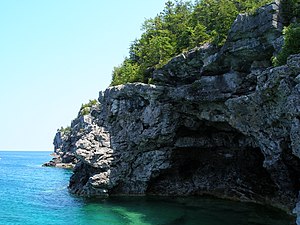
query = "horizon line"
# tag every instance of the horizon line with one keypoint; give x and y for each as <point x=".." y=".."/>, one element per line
<point x="23" y="150"/>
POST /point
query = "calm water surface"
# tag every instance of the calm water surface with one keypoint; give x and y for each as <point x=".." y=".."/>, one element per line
<point x="31" y="194"/>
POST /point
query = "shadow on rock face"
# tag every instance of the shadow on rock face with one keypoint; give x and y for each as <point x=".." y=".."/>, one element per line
<point x="215" y="159"/>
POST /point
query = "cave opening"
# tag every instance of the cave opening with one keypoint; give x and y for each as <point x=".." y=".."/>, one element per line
<point x="215" y="159"/>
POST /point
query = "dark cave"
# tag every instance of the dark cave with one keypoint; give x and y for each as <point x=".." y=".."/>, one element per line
<point x="214" y="159"/>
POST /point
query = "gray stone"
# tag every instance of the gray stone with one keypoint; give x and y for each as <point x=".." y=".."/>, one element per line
<point x="297" y="78"/>
<point x="295" y="137"/>
<point x="251" y="38"/>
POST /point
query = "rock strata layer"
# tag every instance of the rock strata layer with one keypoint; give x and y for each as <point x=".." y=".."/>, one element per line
<point x="219" y="122"/>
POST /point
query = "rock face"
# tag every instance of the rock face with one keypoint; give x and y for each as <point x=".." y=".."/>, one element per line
<point x="63" y="155"/>
<point x="66" y="138"/>
<point x="219" y="122"/>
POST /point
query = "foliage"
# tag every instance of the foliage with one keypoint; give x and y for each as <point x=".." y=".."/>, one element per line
<point x="91" y="103"/>
<point x="181" y="25"/>
<point x="291" y="44"/>
<point x="65" y="130"/>
<point x="86" y="108"/>
<point x="127" y="72"/>
<point x="85" y="111"/>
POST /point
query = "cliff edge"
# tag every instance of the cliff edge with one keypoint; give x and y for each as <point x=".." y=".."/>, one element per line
<point x="219" y="121"/>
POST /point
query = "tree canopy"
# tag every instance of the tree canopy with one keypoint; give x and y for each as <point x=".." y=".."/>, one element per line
<point x="182" y="25"/>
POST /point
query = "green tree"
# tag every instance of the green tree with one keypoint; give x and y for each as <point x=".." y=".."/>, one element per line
<point x="182" y="25"/>
<point x="127" y="72"/>
<point x="198" y="35"/>
<point x="249" y="6"/>
<point x="176" y="20"/>
<point x="217" y="16"/>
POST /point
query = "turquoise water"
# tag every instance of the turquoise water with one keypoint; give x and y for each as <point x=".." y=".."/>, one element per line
<point x="31" y="194"/>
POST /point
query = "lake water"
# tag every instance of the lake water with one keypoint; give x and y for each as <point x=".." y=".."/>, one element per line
<point x="35" y="195"/>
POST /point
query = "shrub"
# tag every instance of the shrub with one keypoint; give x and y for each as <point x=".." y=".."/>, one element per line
<point x="291" y="44"/>
<point x="127" y="72"/>
<point x="65" y="130"/>
<point x="85" y="109"/>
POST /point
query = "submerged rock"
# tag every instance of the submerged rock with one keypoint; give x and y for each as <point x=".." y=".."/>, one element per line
<point x="219" y="122"/>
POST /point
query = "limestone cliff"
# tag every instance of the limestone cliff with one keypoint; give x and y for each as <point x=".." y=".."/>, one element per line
<point x="218" y="121"/>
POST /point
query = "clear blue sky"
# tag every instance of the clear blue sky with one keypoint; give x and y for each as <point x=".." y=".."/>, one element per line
<point x="55" y="55"/>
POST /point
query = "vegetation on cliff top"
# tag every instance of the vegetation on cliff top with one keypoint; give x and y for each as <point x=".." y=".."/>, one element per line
<point x="291" y="12"/>
<point x="291" y="44"/>
<point x="182" y="25"/>
<point x="64" y="130"/>
<point x="85" y="109"/>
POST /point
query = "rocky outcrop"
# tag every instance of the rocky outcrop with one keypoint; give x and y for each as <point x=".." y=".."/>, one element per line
<point x="192" y="140"/>
<point x="63" y="155"/>
<point x="218" y="121"/>
<point x="66" y="138"/>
